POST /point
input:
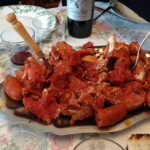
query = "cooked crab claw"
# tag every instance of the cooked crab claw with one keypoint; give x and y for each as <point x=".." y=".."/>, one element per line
<point x="13" y="88"/>
<point x="110" y="115"/>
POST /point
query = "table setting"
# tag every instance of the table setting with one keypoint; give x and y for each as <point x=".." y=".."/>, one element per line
<point x="27" y="31"/>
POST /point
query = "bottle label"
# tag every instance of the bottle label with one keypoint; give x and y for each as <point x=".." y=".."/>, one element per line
<point x="79" y="10"/>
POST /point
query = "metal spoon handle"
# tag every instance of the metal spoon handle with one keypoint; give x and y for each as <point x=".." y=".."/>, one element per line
<point x="138" y="53"/>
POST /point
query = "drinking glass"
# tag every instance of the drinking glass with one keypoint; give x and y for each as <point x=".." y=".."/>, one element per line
<point x="98" y="144"/>
<point x="16" y="47"/>
<point x="21" y="136"/>
<point x="47" y="35"/>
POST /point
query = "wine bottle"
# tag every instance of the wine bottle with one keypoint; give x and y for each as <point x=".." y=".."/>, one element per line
<point x="80" y="15"/>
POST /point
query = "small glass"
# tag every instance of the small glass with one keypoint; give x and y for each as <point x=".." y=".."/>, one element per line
<point x="21" y="136"/>
<point x="98" y="144"/>
<point x="16" y="47"/>
<point x="47" y="35"/>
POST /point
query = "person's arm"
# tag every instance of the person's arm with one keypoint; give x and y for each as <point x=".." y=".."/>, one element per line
<point x="141" y="7"/>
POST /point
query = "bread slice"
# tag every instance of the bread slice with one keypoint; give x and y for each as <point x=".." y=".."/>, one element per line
<point x="139" y="142"/>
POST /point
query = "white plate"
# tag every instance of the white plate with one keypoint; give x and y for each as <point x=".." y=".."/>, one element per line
<point x="8" y="116"/>
<point x="25" y="14"/>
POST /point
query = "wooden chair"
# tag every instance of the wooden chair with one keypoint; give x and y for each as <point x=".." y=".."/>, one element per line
<point x="42" y="3"/>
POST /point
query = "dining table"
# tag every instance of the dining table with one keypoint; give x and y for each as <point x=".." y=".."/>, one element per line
<point x="126" y="30"/>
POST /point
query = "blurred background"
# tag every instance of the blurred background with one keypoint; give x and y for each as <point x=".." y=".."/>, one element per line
<point x="42" y="3"/>
<point x="141" y="7"/>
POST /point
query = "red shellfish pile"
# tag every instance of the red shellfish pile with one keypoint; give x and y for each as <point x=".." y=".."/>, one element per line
<point x="84" y="83"/>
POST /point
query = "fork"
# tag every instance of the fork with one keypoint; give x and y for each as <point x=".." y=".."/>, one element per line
<point x="138" y="53"/>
